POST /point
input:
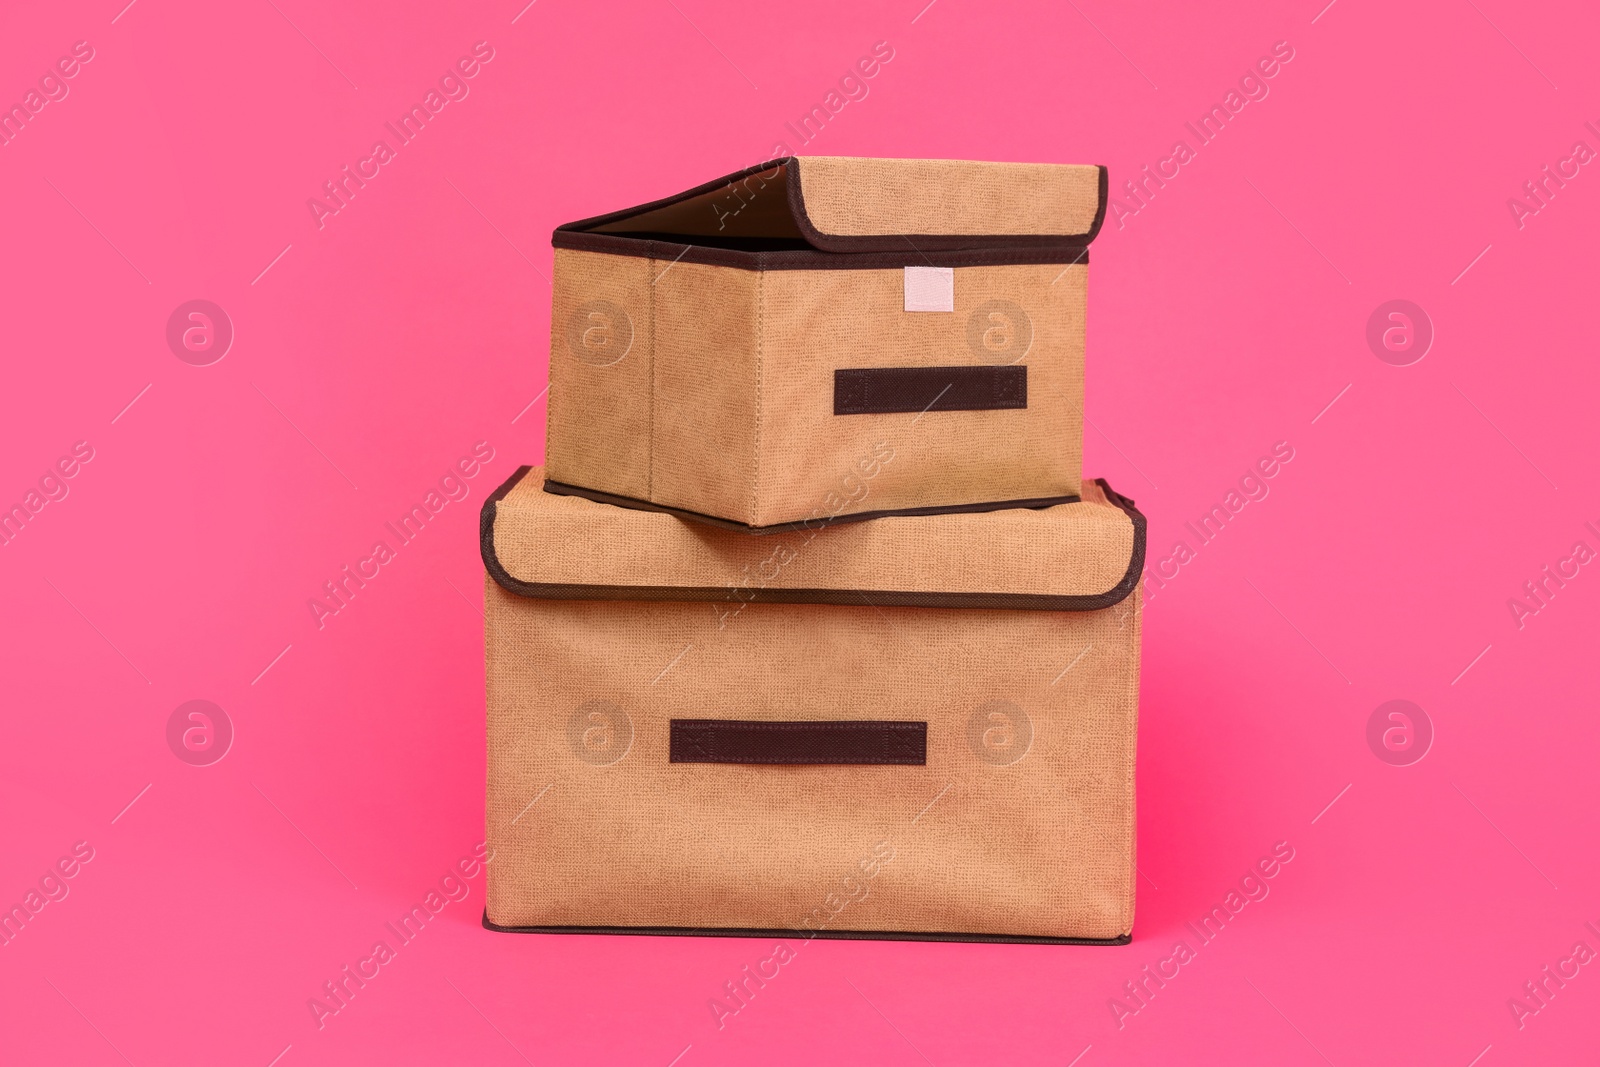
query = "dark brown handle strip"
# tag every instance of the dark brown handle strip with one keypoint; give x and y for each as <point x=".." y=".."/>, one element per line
<point x="747" y="741"/>
<point x="893" y="390"/>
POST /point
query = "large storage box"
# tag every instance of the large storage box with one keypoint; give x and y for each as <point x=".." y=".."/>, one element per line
<point x="921" y="727"/>
<point x="819" y="339"/>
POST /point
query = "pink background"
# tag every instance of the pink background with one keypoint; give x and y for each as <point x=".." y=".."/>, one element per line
<point x="373" y="352"/>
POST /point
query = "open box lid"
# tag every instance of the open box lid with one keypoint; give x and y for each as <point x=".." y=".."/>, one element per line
<point x="841" y="205"/>
<point x="1080" y="556"/>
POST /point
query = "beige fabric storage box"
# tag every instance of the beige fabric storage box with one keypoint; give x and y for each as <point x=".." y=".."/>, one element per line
<point x="818" y="340"/>
<point x="917" y="728"/>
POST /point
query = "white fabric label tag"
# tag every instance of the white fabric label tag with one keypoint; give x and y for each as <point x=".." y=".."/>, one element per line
<point x="930" y="289"/>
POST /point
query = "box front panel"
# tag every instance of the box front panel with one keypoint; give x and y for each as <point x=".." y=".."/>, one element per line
<point x="1020" y="823"/>
<point x="816" y="463"/>
<point x="598" y="434"/>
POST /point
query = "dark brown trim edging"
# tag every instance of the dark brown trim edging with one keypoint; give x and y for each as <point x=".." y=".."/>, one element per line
<point x="804" y="525"/>
<point x="1105" y="200"/>
<point x="834" y="251"/>
<point x="858" y="598"/>
<point x="936" y="242"/>
<point x="1052" y="253"/>
<point x="902" y="390"/>
<point x="799" y="742"/>
<point x="803" y="935"/>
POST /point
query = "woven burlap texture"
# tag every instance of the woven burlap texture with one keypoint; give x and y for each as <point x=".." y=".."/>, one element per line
<point x="723" y="403"/>
<point x="1070" y="550"/>
<point x="1020" y="824"/>
<point x="597" y="433"/>
<point x="851" y="197"/>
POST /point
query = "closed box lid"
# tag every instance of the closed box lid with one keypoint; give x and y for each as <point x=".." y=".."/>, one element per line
<point x="847" y="205"/>
<point x="1080" y="556"/>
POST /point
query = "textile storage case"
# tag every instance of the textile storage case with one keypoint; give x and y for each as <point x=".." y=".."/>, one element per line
<point x="914" y="728"/>
<point x="822" y="339"/>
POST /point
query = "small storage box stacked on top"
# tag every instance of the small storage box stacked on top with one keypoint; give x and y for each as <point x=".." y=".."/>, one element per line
<point x="920" y="726"/>
<point x="747" y="352"/>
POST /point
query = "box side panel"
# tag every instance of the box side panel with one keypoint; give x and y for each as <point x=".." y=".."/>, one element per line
<point x="815" y="463"/>
<point x="598" y="432"/>
<point x="706" y="384"/>
<point x="1020" y="823"/>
